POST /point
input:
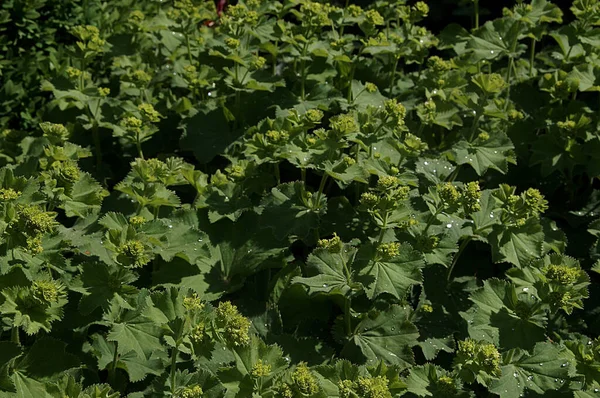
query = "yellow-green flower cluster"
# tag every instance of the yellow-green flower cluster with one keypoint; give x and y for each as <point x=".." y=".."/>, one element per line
<point x="304" y="380"/>
<point x="89" y="37"/>
<point x="34" y="222"/>
<point x="535" y="201"/>
<point x="373" y="387"/>
<point x="193" y="303"/>
<point x="261" y="369"/>
<point x="135" y="252"/>
<point x="131" y="124"/>
<point x="148" y="112"/>
<point x="103" y="91"/>
<point x="55" y="132"/>
<point x="374" y="18"/>
<point x="562" y="274"/>
<point x="334" y="244"/>
<point x="66" y="171"/>
<point x="315" y="15"/>
<point x="232" y="43"/>
<point x="313" y="116"/>
<point x="365" y="387"/>
<point x="192" y="392"/>
<point x="277" y="136"/>
<point x="387" y="251"/>
<point x="258" y="63"/>
<point x="479" y="356"/>
<point x="343" y="124"/>
<point x="438" y="64"/>
<point x="137" y="220"/>
<point x="9" y="194"/>
<point x="514" y="114"/>
<point x="139" y="77"/>
<point x="47" y="291"/>
<point x="446" y="384"/>
<point x="395" y="111"/>
<point x="370" y="87"/>
<point x="448" y="194"/>
<point x="369" y="200"/>
<point x="197" y="334"/>
<point x="235" y="325"/>
<point x="471" y="197"/>
<point x="136" y="17"/>
<point x="354" y="10"/>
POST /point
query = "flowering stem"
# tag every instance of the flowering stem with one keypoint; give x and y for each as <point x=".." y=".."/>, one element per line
<point x="277" y="173"/>
<point x="303" y="71"/>
<point x="476" y="7"/>
<point x="321" y="188"/>
<point x="462" y="248"/>
<point x="173" y="368"/>
<point x="14" y="335"/>
<point x="113" y="367"/>
<point x="138" y="144"/>
<point x="393" y="76"/>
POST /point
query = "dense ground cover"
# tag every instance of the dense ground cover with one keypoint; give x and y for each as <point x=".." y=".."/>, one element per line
<point x="298" y="199"/>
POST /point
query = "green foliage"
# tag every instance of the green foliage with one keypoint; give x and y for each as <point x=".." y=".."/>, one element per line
<point x="299" y="199"/>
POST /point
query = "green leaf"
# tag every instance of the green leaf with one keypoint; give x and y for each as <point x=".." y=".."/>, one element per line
<point x="517" y="245"/>
<point x="494" y="153"/>
<point x="392" y="276"/>
<point x="541" y="371"/>
<point x="504" y="316"/>
<point x="329" y="272"/>
<point x="388" y="336"/>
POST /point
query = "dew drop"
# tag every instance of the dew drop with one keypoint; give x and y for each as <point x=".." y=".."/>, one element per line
<point x="525" y="289"/>
<point x="325" y="285"/>
<point x="491" y="51"/>
<point x="425" y="163"/>
<point x="434" y="171"/>
<point x="491" y="215"/>
<point x="530" y="377"/>
<point x="210" y="94"/>
<point x="515" y="374"/>
<point x="448" y="225"/>
<point x="170" y="226"/>
<point x="564" y="365"/>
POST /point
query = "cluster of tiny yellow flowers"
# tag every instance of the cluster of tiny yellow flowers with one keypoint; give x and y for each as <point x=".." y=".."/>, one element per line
<point x="343" y="124"/>
<point x="439" y="64"/>
<point x="103" y="91"/>
<point x="192" y="392"/>
<point x="387" y="251"/>
<point x="373" y="17"/>
<point x="313" y="116"/>
<point x="197" y="333"/>
<point x="427" y="308"/>
<point x="55" y="132"/>
<point x="261" y="369"/>
<point x="135" y="251"/>
<point x="47" y="291"/>
<point x="370" y="87"/>
<point x="149" y="113"/>
<point x="446" y="384"/>
<point x="562" y="274"/>
<point x="395" y="110"/>
<point x="232" y="43"/>
<point x="140" y="77"/>
<point x="304" y="380"/>
<point x="334" y="244"/>
<point x="373" y="387"/>
<point x="9" y="194"/>
<point x="193" y="303"/>
<point x="277" y="136"/>
<point x="235" y="325"/>
<point x="483" y="136"/>
<point x="89" y="37"/>
<point x="479" y="354"/>
<point x="136" y="17"/>
<point x="137" y="220"/>
<point x="66" y="171"/>
<point x="448" y="194"/>
<point x="535" y="201"/>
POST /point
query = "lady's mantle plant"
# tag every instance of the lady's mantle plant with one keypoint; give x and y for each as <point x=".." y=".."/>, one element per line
<point x="296" y="198"/>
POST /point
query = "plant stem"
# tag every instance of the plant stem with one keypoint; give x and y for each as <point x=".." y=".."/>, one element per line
<point x="277" y="174"/>
<point x="476" y="6"/>
<point x="14" y="335"/>
<point x="303" y="76"/>
<point x="321" y="188"/>
<point x="383" y="228"/>
<point x="303" y="174"/>
<point x="462" y="247"/>
<point x="97" y="143"/>
<point x="531" y="57"/>
<point x="508" y="74"/>
<point x="173" y="368"/>
<point x="393" y="76"/>
<point x="138" y="144"/>
<point x="113" y="367"/>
